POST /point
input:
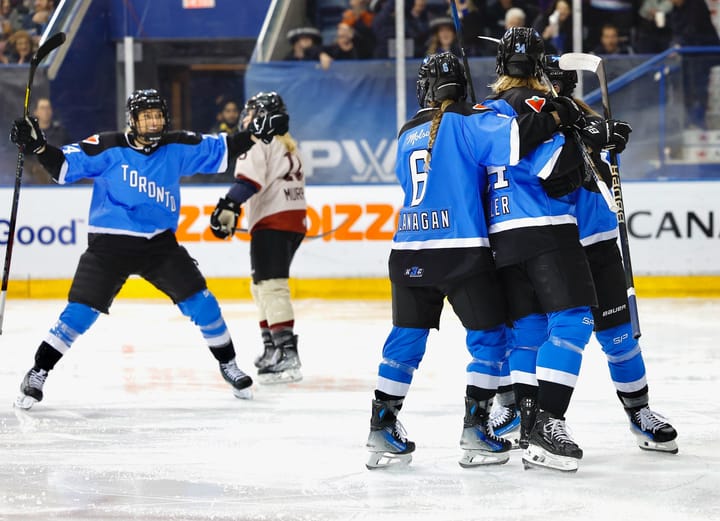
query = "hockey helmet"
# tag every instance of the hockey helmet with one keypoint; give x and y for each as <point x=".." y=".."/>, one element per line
<point x="441" y="76"/>
<point x="564" y="82"/>
<point x="146" y="99"/>
<point x="265" y="102"/>
<point x="520" y="53"/>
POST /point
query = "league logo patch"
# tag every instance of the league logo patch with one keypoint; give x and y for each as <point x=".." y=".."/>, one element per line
<point x="536" y="103"/>
<point x="414" y="273"/>
<point x="479" y="106"/>
<point x="92" y="140"/>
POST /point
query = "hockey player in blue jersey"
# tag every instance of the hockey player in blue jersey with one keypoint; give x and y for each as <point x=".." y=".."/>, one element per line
<point x="440" y="250"/>
<point x="541" y="262"/>
<point x="598" y="228"/>
<point x="133" y="217"/>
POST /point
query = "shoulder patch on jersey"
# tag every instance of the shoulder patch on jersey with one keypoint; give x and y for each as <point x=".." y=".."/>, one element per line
<point x="480" y="106"/>
<point x="92" y="140"/>
<point x="536" y="103"/>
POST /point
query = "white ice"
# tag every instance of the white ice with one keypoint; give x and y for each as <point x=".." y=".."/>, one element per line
<point x="137" y="424"/>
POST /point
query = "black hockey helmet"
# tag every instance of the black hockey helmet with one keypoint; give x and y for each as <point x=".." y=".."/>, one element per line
<point x="265" y="102"/>
<point x="520" y="53"/>
<point x="441" y="76"/>
<point x="564" y="82"/>
<point x="146" y="99"/>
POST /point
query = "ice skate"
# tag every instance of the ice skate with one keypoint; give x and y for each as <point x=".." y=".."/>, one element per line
<point x="387" y="441"/>
<point x="31" y="388"/>
<point x="528" y="411"/>
<point x="480" y="446"/>
<point x="653" y="432"/>
<point x="551" y="446"/>
<point x="238" y="379"/>
<point x="268" y="351"/>
<point x="505" y="422"/>
<point x="284" y="366"/>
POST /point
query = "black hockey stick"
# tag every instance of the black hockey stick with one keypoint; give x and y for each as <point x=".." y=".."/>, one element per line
<point x="594" y="64"/>
<point x="46" y="48"/>
<point x="458" y="31"/>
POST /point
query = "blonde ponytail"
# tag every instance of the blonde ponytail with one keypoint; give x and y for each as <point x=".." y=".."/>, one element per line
<point x="434" y="126"/>
<point x="287" y="140"/>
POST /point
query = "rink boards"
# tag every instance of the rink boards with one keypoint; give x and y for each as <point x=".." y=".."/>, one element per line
<point x="674" y="232"/>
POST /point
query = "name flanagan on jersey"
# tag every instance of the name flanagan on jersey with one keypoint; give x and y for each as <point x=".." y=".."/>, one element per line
<point x="150" y="188"/>
<point x="423" y="220"/>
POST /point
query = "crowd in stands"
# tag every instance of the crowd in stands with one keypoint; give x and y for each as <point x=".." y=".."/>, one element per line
<point x="22" y="23"/>
<point x="366" y="29"/>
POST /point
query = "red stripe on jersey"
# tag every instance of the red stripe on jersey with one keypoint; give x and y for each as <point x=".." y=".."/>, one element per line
<point x="257" y="185"/>
<point x="288" y="221"/>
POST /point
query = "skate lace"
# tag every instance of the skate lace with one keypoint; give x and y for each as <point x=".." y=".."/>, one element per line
<point x="558" y="431"/>
<point x="501" y="416"/>
<point x="37" y="378"/>
<point x="399" y="432"/>
<point x="649" y="420"/>
<point x="232" y="370"/>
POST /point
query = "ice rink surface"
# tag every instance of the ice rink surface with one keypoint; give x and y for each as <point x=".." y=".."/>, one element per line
<point x="138" y="424"/>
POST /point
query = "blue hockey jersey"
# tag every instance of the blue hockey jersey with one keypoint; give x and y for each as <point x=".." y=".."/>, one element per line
<point x="596" y="222"/>
<point x="136" y="191"/>
<point x="442" y="233"/>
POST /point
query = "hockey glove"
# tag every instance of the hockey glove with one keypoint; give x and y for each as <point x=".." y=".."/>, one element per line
<point x="224" y="218"/>
<point x="26" y="133"/>
<point x="267" y="125"/>
<point x="607" y="134"/>
<point x="567" y="110"/>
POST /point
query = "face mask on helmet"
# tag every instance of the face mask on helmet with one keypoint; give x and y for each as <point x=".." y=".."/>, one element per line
<point x="564" y="82"/>
<point x="520" y="53"/>
<point x="441" y="76"/>
<point x="263" y="103"/>
<point x="141" y="100"/>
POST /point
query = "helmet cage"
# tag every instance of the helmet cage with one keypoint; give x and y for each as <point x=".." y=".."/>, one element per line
<point x="264" y="103"/>
<point x="145" y="99"/>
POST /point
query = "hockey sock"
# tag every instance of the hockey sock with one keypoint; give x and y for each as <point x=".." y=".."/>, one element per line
<point x="554" y="398"/>
<point x="505" y="396"/>
<point x="636" y="400"/>
<point x="479" y="394"/>
<point x="624" y="358"/>
<point x="203" y="309"/>
<point x="74" y="320"/>
<point x="265" y="332"/>
<point x="46" y="357"/>
<point x="282" y="333"/>
<point x="223" y="354"/>
<point x="397" y="401"/>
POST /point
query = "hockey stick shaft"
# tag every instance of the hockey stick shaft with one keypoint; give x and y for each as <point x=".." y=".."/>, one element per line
<point x="459" y="32"/>
<point x="46" y="48"/>
<point x="622" y="224"/>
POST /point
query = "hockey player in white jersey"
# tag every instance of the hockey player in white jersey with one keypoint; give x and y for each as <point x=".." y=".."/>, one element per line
<point x="133" y="217"/>
<point x="270" y="183"/>
<point x="440" y="250"/>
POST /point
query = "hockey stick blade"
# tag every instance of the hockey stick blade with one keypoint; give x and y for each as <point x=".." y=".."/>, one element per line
<point x="579" y="61"/>
<point x="490" y="39"/>
<point x="52" y="43"/>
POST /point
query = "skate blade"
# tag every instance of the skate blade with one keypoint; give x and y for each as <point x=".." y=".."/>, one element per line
<point x="285" y="377"/>
<point x="644" y="443"/>
<point x="243" y="394"/>
<point x="477" y="458"/>
<point x="387" y="460"/>
<point x="535" y="456"/>
<point x="24" y="402"/>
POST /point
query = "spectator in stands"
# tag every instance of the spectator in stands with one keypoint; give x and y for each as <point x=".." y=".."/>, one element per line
<point x="473" y="20"/>
<point x="20" y="19"/>
<point x="54" y="131"/>
<point x="360" y="19"/>
<point x="555" y="27"/>
<point x="343" y="48"/>
<point x="228" y="119"/>
<point x="444" y="38"/>
<point x="619" y="13"/>
<point x="41" y="15"/>
<point x="19" y="49"/>
<point x="497" y="15"/>
<point x="691" y="24"/>
<point x="653" y="34"/>
<point x="610" y="42"/>
<point x="305" y="43"/>
<point x="417" y="26"/>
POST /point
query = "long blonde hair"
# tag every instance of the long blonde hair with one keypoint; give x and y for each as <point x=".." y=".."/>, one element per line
<point x="504" y="83"/>
<point x="287" y="140"/>
<point x="434" y="126"/>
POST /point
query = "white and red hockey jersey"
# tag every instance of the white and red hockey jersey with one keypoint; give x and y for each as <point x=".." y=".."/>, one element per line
<point x="279" y="203"/>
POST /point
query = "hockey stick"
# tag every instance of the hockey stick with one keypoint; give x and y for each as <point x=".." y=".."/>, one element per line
<point x="594" y="64"/>
<point x="307" y="237"/>
<point x="46" y="48"/>
<point x="458" y="30"/>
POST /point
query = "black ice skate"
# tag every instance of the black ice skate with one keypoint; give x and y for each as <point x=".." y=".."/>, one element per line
<point x="268" y="351"/>
<point x="505" y="422"/>
<point x="528" y="411"/>
<point x="653" y="432"/>
<point x="480" y="446"/>
<point x="238" y="379"/>
<point x="284" y="366"/>
<point x="31" y="388"/>
<point x="387" y="441"/>
<point x="551" y="446"/>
